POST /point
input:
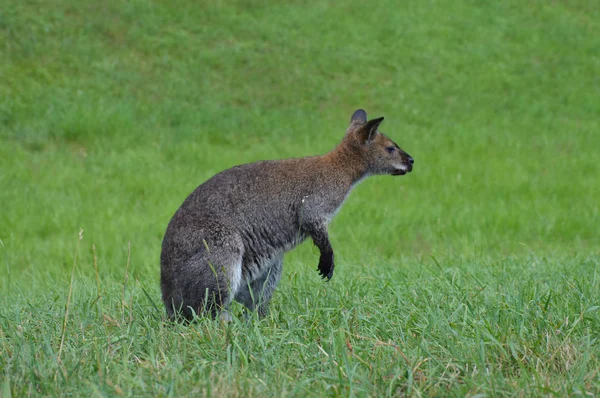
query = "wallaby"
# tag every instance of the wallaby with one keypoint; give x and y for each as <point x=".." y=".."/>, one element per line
<point x="227" y="240"/>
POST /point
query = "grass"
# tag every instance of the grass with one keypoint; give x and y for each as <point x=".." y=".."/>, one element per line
<point x="476" y="274"/>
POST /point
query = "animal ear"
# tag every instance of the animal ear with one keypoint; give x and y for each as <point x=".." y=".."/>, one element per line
<point x="368" y="131"/>
<point x="359" y="115"/>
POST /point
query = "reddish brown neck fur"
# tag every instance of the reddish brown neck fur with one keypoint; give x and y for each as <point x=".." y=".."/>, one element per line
<point x="347" y="160"/>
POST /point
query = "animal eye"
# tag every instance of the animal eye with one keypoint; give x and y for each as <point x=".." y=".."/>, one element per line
<point x="390" y="149"/>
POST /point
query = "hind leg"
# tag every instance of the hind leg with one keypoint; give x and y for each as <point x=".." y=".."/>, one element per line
<point x="203" y="284"/>
<point x="257" y="294"/>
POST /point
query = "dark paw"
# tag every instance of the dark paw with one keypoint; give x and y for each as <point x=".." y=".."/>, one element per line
<point x="326" y="266"/>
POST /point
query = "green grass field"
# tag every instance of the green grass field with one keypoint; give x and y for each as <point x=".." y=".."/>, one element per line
<point x="476" y="275"/>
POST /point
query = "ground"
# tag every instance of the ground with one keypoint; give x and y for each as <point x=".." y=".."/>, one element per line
<point x="478" y="273"/>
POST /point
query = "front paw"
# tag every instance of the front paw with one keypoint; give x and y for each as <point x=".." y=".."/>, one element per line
<point x="326" y="265"/>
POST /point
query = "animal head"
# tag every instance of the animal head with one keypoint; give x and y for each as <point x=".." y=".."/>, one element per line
<point x="379" y="153"/>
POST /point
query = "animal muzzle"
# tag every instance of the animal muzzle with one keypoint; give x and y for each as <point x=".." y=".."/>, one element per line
<point x="409" y="162"/>
<point x="405" y="167"/>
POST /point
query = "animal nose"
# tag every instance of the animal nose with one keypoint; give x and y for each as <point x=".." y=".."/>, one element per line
<point x="411" y="160"/>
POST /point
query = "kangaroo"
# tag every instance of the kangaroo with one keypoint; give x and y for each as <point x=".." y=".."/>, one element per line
<point x="227" y="240"/>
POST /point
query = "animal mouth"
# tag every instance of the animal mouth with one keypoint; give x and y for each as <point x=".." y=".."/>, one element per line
<point x="402" y="170"/>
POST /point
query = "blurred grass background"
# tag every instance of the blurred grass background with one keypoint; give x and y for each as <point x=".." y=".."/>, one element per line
<point x="111" y="113"/>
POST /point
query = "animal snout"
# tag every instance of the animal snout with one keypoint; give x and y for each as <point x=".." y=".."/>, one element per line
<point x="411" y="161"/>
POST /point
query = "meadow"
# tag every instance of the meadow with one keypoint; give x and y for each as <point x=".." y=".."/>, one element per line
<point x="478" y="274"/>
